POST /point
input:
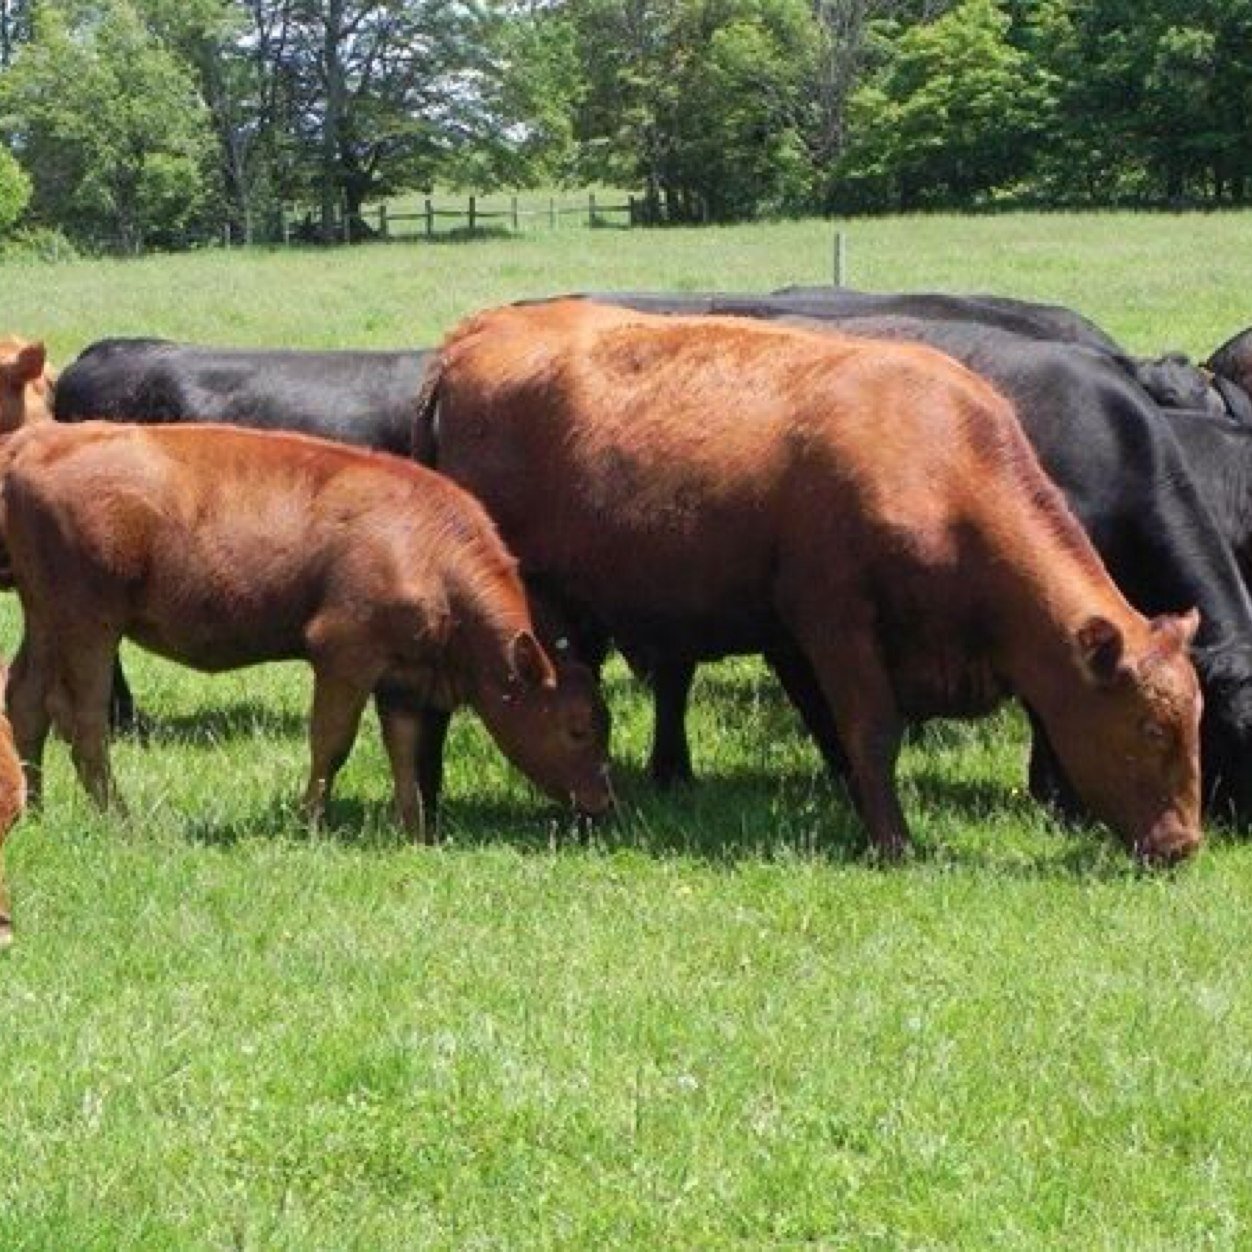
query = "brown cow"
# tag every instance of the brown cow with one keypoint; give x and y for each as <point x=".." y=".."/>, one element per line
<point x="220" y="548"/>
<point x="26" y="384"/>
<point x="704" y="486"/>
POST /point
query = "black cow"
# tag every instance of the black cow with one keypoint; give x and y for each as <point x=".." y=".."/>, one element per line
<point x="364" y="398"/>
<point x="1116" y="458"/>
<point x="1233" y="361"/>
<point x="1171" y="380"/>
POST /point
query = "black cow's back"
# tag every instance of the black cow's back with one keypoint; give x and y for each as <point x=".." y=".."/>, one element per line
<point x="362" y="398"/>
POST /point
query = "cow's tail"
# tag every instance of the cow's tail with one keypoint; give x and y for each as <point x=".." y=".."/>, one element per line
<point x="425" y="443"/>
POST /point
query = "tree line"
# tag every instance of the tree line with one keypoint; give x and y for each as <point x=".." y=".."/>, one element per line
<point x="137" y="123"/>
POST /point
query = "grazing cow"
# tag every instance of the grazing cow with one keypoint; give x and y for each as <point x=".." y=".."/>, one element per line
<point x="363" y="398"/>
<point x="1115" y="456"/>
<point x="222" y="548"/>
<point x="706" y="486"/>
<point x="26" y="384"/>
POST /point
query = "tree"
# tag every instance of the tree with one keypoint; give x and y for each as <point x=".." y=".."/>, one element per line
<point x="14" y="191"/>
<point x="384" y="92"/>
<point x="952" y="112"/>
<point x="707" y="103"/>
<point x="111" y="128"/>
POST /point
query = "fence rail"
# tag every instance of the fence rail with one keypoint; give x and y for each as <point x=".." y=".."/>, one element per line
<point x="381" y="222"/>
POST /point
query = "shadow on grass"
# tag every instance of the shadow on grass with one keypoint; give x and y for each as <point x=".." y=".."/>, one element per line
<point x="243" y="719"/>
<point x="726" y="818"/>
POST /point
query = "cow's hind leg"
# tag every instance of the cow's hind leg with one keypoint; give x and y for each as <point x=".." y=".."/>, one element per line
<point x="338" y="702"/>
<point x="80" y="709"/>
<point x="27" y="698"/>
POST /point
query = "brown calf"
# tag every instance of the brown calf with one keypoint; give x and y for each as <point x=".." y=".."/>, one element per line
<point x="26" y="384"/>
<point x="221" y="548"/>
<point x="704" y="486"/>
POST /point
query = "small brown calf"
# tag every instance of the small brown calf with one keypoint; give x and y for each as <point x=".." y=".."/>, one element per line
<point x="220" y="548"/>
<point x="26" y="384"/>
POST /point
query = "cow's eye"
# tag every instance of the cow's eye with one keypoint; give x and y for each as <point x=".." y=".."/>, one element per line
<point x="1154" y="731"/>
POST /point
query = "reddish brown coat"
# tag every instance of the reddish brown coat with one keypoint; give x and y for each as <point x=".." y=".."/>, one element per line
<point x="702" y="486"/>
<point x="220" y="548"/>
<point x="26" y="384"/>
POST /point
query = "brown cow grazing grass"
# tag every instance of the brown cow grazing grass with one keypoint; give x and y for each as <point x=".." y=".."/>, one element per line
<point x="221" y="548"/>
<point x="870" y="512"/>
<point x="26" y="384"/>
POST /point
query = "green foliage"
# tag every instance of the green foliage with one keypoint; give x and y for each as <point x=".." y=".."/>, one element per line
<point x="705" y="102"/>
<point x="14" y="191"/>
<point x="109" y="124"/>
<point x="950" y="115"/>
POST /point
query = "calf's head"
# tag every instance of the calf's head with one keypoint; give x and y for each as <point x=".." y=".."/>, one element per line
<point x="1130" y="740"/>
<point x="551" y="723"/>
<point x="25" y="384"/>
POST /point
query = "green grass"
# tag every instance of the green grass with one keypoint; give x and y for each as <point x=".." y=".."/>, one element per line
<point x="710" y="1024"/>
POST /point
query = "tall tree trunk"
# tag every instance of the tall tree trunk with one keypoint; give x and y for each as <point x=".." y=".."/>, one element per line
<point x="335" y="88"/>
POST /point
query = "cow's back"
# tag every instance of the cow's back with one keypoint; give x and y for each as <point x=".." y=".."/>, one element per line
<point x="665" y="461"/>
<point x="361" y="398"/>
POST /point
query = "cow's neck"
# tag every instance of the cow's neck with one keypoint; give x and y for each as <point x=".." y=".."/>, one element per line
<point x="1042" y="597"/>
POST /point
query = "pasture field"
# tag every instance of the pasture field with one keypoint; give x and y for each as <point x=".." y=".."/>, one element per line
<point x="708" y="1024"/>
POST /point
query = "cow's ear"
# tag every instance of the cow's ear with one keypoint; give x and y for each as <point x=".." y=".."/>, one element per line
<point x="29" y="363"/>
<point x="1100" y="646"/>
<point x="1180" y="626"/>
<point x="528" y="663"/>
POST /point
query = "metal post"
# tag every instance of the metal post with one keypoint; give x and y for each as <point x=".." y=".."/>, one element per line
<point x="473" y="213"/>
<point x="591" y="208"/>
<point x="516" y="223"/>
<point x="841" y="258"/>
<point x="551" y="213"/>
<point x="430" y="219"/>
<point x="382" y="220"/>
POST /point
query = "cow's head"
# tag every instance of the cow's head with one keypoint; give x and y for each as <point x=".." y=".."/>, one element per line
<point x="1233" y="361"/>
<point x="25" y="384"/>
<point x="1129" y="741"/>
<point x="551" y="722"/>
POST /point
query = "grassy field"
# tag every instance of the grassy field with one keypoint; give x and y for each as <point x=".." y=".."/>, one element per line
<point x="710" y="1024"/>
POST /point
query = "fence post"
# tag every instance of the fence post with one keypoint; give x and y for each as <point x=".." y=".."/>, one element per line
<point x="226" y="236"/>
<point x="430" y="219"/>
<point x="516" y="222"/>
<point x="473" y="213"/>
<point x="591" y="208"/>
<point x="382" y="221"/>
<point x="551" y="213"/>
<point x="841" y="258"/>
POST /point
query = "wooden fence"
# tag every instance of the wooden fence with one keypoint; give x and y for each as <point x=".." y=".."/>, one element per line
<point x="434" y="220"/>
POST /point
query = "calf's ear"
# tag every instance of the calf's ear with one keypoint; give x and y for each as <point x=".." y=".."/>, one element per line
<point x="29" y="363"/>
<point x="528" y="662"/>
<point x="1101" y="646"/>
<point x="1182" y="626"/>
